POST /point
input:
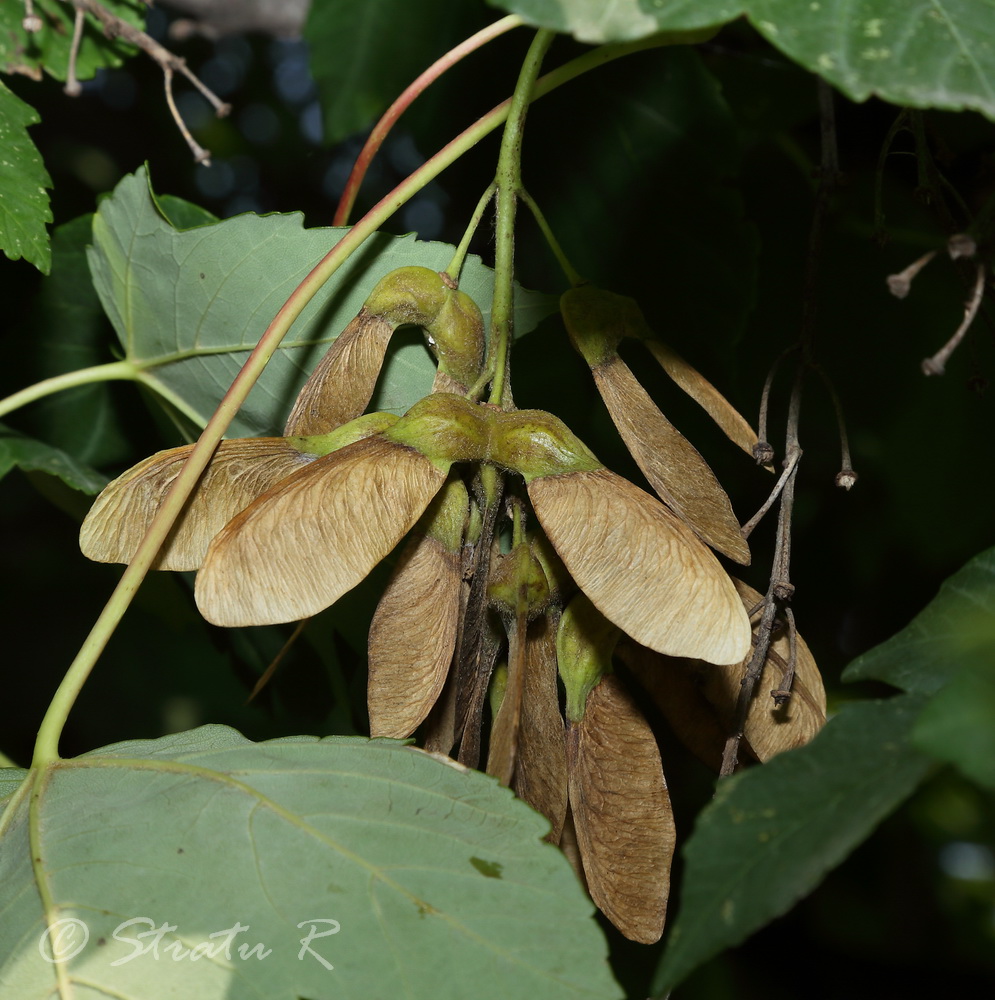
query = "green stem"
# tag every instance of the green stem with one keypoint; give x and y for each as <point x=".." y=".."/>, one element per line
<point x="456" y="264"/>
<point x="47" y="745"/>
<point x="554" y="244"/>
<point x="509" y="183"/>
<point x="84" y="376"/>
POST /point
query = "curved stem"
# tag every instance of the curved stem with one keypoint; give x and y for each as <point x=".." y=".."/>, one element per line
<point x="554" y="244"/>
<point x="47" y="744"/>
<point x="509" y="183"/>
<point x="456" y="264"/>
<point x="84" y="376"/>
<point x="390" y="116"/>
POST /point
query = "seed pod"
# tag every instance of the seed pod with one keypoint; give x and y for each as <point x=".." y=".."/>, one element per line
<point x="621" y="811"/>
<point x="240" y="471"/>
<point x="456" y="338"/>
<point x="414" y="628"/>
<point x="342" y="384"/>
<point x="299" y="547"/>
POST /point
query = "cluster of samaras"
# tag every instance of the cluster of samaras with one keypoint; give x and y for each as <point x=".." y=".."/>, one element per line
<point x="527" y="561"/>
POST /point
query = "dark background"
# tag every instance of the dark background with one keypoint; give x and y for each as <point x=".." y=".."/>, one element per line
<point x="912" y="912"/>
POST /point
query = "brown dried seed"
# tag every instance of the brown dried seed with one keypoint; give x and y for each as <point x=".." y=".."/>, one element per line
<point x="641" y="566"/>
<point x="541" y="769"/>
<point x="240" y="471"/>
<point x="299" y="547"/>
<point x="621" y="810"/>
<point x="669" y="461"/>
<point x="412" y="637"/>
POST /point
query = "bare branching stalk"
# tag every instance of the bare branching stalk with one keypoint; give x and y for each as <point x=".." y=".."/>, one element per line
<point x="115" y="27"/>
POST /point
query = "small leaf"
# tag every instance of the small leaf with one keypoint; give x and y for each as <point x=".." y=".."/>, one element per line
<point x="403" y="857"/>
<point x="298" y="548"/>
<point x="36" y="456"/>
<point x="24" y="208"/>
<point x="773" y="832"/>
<point x="954" y="627"/>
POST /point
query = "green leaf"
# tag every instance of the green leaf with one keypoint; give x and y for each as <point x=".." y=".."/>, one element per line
<point x="623" y="20"/>
<point x="958" y="725"/>
<point x="369" y="52"/>
<point x="772" y="832"/>
<point x="35" y="456"/>
<point x="928" y="55"/>
<point x="24" y="208"/>
<point x="376" y="844"/>
<point x="956" y="627"/>
<point x="48" y="49"/>
<point x="931" y="55"/>
<point x="189" y="306"/>
<point x="66" y="330"/>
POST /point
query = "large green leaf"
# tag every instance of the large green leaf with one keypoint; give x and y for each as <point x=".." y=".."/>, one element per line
<point x="48" y="49"/>
<point x="956" y="628"/>
<point x="422" y="880"/>
<point x="189" y="306"/>
<point x="19" y="450"/>
<point x="24" y="208"/>
<point x="923" y="53"/>
<point x="367" y="53"/>
<point x="771" y="833"/>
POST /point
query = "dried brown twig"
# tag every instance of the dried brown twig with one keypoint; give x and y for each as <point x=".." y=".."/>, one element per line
<point x="115" y="27"/>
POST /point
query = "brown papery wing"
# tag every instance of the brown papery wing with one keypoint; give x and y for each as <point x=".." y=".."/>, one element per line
<point x="341" y="386"/>
<point x="240" y="471"/>
<point x="304" y="544"/>
<point x="641" y="566"/>
<point x="669" y="461"/>
<point x="413" y="636"/>
<point x="541" y="768"/>
<point x="621" y="811"/>
<point x="729" y="419"/>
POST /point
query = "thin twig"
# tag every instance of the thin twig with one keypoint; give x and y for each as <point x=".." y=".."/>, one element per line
<point x="115" y="27"/>
<point x="72" y="87"/>
<point x="846" y="478"/>
<point x="275" y="662"/>
<point x="790" y="462"/>
<point x="937" y="363"/>
<point x="783" y="691"/>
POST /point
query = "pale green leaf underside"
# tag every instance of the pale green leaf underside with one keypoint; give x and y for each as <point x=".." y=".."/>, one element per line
<point x="437" y="878"/>
<point x="922" y="53"/>
<point x="24" y="208"/>
<point x="772" y="833"/>
<point x="189" y="306"/>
